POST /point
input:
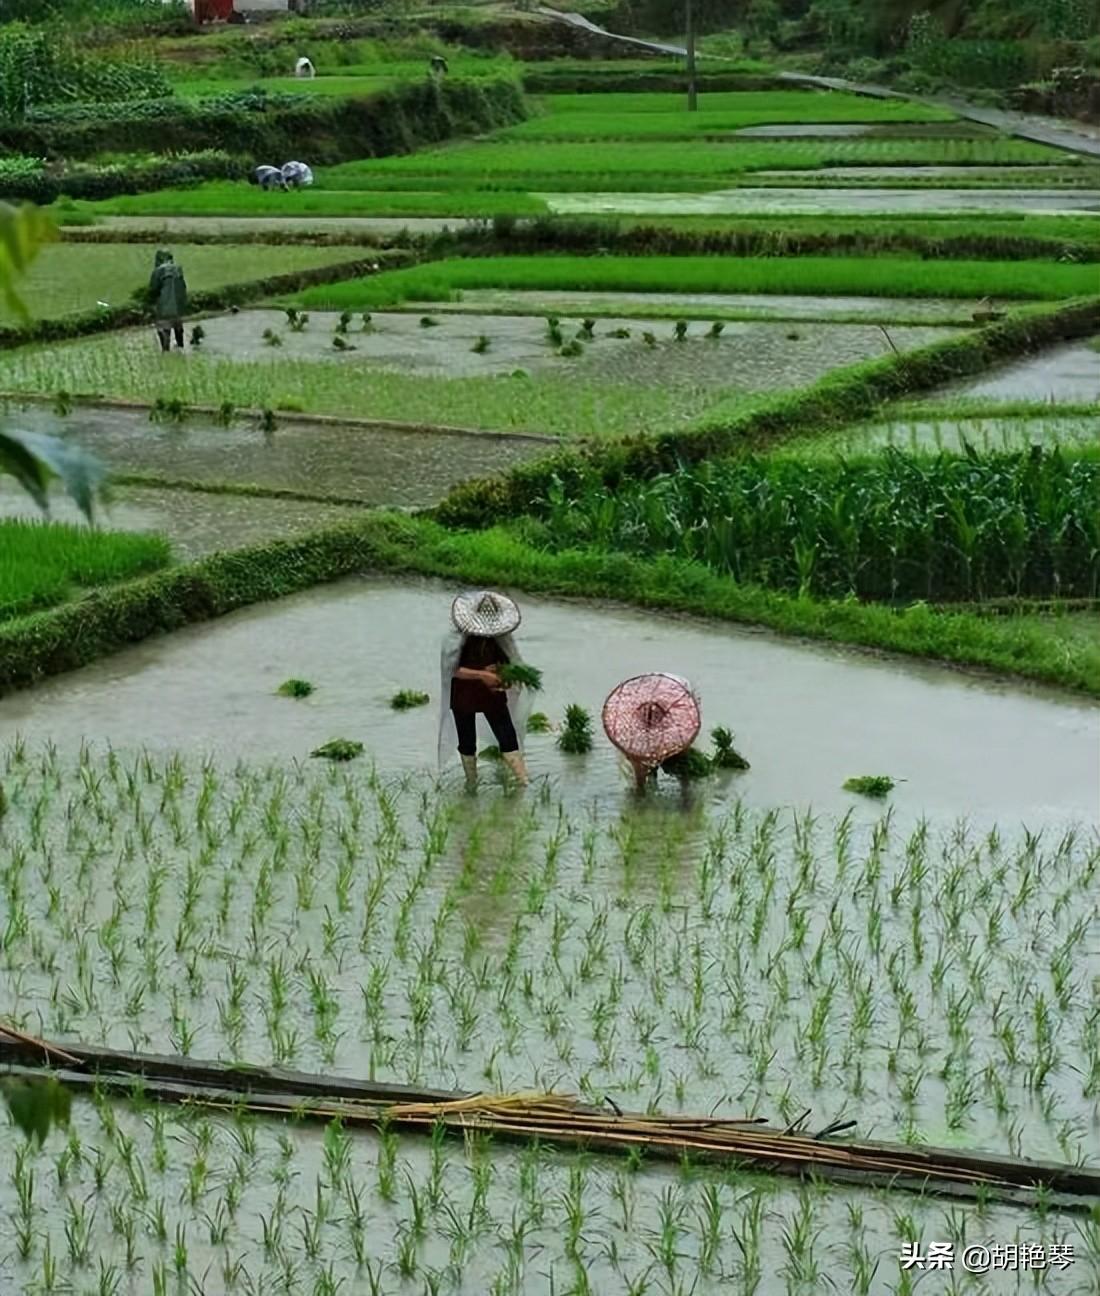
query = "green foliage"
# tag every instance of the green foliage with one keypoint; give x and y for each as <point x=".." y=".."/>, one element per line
<point x="295" y="688"/>
<point x="492" y="753"/>
<point x="37" y="1106"/>
<point x="576" y="735"/>
<point x="338" y="749"/>
<point x="893" y="526"/>
<point x="482" y="344"/>
<point x="538" y="722"/>
<point x="46" y="563"/>
<point x="39" y="66"/>
<point x="571" y="349"/>
<point x="870" y="785"/>
<point x="260" y="126"/>
<point x="522" y="675"/>
<point x="406" y="699"/>
<point x="36" y="180"/>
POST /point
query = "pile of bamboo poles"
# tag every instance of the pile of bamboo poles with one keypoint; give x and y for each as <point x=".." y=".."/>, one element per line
<point x="552" y="1119"/>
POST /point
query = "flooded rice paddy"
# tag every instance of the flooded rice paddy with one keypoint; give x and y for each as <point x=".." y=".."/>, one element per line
<point x="177" y="884"/>
<point x="754" y="356"/>
<point x="784" y="306"/>
<point x="370" y="465"/>
<point x="1069" y="373"/>
<point x="950" y="433"/>
<point x="793" y="707"/>
<point x="826" y="202"/>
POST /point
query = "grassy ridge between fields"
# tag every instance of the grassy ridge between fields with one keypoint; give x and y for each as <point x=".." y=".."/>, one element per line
<point x="877" y="277"/>
<point x="73" y="635"/>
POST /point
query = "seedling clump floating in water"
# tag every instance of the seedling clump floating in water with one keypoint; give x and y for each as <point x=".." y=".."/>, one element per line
<point x="225" y="414"/>
<point x="295" y="688"/>
<point x="406" y="699"/>
<point x="344" y="322"/>
<point x="482" y="345"/>
<point x="426" y="321"/>
<point x="490" y="753"/>
<point x="571" y="349"/>
<point x="680" y="330"/>
<point x="650" y="339"/>
<point x="576" y="735"/>
<point x="63" y="404"/>
<point x="299" y="323"/>
<point x="619" y="333"/>
<point x="339" y="749"/>
<point x="715" y="329"/>
<point x="367" y="322"/>
<point x="588" y="328"/>
<point x="538" y="722"/>
<point x="871" y="785"/>
<point x="167" y="411"/>
<point x="342" y="344"/>
<point x="271" y="338"/>
<point x="197" y="335"/>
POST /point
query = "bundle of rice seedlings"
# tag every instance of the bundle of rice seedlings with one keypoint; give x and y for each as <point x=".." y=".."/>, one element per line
<point x="406" y="699"/>
<point x="872" y="785"/>
<point x="576" y="735"/>
<point x="538" y="722"/>
<point x="339" y="749"/>
<point x="690" y="764"/>
<point x="528" y="677"/>
<point x="295" y="688"/>
<point x="716" y="329"/>
<point x="725" y="755"/>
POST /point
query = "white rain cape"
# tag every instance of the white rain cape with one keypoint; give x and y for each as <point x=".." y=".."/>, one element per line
<point x="519" y="699"/>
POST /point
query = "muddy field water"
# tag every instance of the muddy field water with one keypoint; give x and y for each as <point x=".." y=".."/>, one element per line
<point x="751" y="356"/>
<point x="792" y="706"/>
<point x="822" y="201"/>
<point x="1069" y="373"/>
<point x="377" y="467"/>
<point x="785" y="306"/>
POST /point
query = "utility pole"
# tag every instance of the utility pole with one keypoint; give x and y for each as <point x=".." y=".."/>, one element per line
<point x="692" y="105"/>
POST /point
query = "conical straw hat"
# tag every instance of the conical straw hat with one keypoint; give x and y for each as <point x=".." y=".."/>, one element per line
<point x="652" y="717"/>
<point x="484" y="612"/>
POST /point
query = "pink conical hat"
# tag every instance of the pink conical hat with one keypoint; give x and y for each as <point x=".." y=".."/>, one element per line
<point x="652" y="717"/>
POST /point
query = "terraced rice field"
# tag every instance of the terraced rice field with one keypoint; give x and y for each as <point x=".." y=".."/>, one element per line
<point x="180" y="877"/>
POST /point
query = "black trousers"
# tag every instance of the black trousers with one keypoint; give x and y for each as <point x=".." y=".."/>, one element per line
<point x="166" y="335"/>
<point x="500" y="722"/>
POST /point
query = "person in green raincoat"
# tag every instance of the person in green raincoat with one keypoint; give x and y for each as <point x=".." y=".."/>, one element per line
<point x="168" y="299"/>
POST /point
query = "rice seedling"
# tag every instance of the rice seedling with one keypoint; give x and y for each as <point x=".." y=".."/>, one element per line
<point x="571" y="349"/>
<point x="406" y="699"/>
<point x="299" y="323"/>
<point x="680" y="330"/>
<point x="619" y="333"/>
<point x="650" y="339"/>
<point x="587" y="329"/>
<point x="197" y="335"/>
<point x="225" y="415"/>
<point x="725" y="754"/>
<point x="576" y="735"/>
<point x="688" y="765"/>
<point x="428" y="321"/>
<point x="871" y="785"/>
<point x="340" y="343"/>
<point x="168" y="410"/>
<point x="538" y="722"/>
<point x="295" y="688"/>
<point x="481" y="345"/>
<point x="271" y="338"/>
<point x="716" y="329"/>
<point x="268" y="421"/>
<point x="338" y="749"/>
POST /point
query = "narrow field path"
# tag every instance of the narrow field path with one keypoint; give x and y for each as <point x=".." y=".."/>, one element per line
<point x="181" y="226"/>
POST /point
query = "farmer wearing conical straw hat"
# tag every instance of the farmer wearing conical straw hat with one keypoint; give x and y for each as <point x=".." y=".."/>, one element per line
<point x="651" y="718"/>
<point x="479" y="644"/>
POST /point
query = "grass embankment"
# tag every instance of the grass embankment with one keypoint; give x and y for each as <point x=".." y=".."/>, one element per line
<point x="51" y="642"/>
<point x="67" y="278"/>
<point x="665" y="116"/>
<point x="871" y="277"/>
<point x="46" y="563"/>
<point x="657" y="166"/>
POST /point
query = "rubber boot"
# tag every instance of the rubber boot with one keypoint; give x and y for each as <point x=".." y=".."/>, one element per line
<point x="469" y="768"/>
<point x="517" y="765"/>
